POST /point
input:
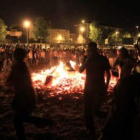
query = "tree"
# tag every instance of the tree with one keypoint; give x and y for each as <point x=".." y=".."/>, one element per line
<point x="94" y="32"/>
<point x="115" y="38"/>
<point x="40" y="30"/>
<point x="106" y="32"/>
<point x="3" y="30"/>
<point x="126" y="35"/>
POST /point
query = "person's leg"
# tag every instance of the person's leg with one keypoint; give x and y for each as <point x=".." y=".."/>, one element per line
<point x="88" y="113"/>
<point x="18" y="124"/>
<point x="23" y="117"/>
<point x="98" y="102"/>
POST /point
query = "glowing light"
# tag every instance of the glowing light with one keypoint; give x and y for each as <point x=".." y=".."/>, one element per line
<point x="59" y="38"/>
<point x="82" y="29"/>
<point x="117" y="32"/>
<point x="80" y="39"/>
<point x="26" y="24"/>
<point x="83" y="21"/>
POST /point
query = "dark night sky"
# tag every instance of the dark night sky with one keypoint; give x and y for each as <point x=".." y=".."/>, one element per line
<point x="66" y="13"/>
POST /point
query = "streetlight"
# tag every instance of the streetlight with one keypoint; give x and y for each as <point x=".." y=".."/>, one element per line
<point x="86" y="26"/>
<point x="82" y="29"/>
<point x="26" y="25"/>
<point x="117" y="32"/>
<point x="83" y="21"/>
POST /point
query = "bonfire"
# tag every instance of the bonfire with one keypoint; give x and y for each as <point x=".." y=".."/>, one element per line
<point x="62" y="79"/>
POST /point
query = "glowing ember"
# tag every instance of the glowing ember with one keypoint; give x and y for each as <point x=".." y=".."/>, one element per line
<point x="61" y="80"/>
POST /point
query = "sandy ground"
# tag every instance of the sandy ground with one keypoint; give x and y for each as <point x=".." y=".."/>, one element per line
<point x="65" y="110"/>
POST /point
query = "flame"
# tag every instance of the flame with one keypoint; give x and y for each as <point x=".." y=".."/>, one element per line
<point x="73" y="64"/>
<point x="63" y="81"/>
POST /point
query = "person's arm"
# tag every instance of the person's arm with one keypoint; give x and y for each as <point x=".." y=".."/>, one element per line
<point x="83" y="67"/>
<point x="107" y="78"/>
<point x="117" y="67"/>
<point x="84" y="64"/>
<point x="107" y="70"/>
<point x="119" y="71"/>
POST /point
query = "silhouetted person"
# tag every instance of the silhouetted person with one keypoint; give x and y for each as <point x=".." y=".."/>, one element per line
<point x="124" y="63"/>
<point x="24" y="100"/>
<point x="120" y="122"/>
<point x="137" y="49"/>
<point x="137" y="54"/>
<point x="95" y="87"/>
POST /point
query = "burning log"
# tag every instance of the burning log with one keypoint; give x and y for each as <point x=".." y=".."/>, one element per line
<point x="48" y="80"/>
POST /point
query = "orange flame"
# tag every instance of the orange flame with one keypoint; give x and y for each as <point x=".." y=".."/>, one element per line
<point x="63" y="81"/>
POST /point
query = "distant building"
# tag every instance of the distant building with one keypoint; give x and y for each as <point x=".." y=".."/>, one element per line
<point x="110" y="27"/>
<point x="13" y="36"/>
<point x="14" y="33"/>
<point x="59" y="36"/>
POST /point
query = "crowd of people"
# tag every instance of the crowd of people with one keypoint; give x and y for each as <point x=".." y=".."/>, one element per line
<point x="37" y="55"/>
<point x="120" y="120"/>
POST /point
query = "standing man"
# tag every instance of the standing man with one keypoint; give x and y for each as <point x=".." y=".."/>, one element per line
<point x="95" y="87"/>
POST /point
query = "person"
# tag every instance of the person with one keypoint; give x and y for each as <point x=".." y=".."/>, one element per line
<point x="95" y="87"/>
<point x="24" y="100"/>
<point x="30" y="57"/>
<point x="137" y="49"/>
<point x="120" y="122"/>
<point x="124" y="63"/>
<point x="137" y="54"/>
